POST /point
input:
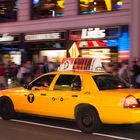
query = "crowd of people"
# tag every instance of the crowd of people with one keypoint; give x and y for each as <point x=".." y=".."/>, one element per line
<point x="129" y="73"/>
<point x="27" y="71"/>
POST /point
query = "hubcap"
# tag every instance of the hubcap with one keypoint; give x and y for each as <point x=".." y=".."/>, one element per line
<point x="87" y="120"/>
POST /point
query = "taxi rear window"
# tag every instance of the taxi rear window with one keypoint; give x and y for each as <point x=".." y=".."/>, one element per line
<point x="105" y="82"/>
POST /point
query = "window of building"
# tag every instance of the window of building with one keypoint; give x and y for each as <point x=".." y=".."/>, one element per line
<point x="47" y="8"/>
<point x="95" y="6"/>
<point x="8" y="10"/>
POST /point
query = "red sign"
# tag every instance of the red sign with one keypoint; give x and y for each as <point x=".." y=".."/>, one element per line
<point x="82" y="64"/>
<point x="98" y="43"/>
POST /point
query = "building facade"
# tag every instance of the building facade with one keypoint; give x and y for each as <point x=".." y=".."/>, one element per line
<point x="109" y="29"/>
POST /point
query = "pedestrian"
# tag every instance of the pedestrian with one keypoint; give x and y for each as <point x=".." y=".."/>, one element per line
<point x="135" y="72"/>
<point x="124" y="72"/>
<point x="20" y="74"/>
<point x="108" y="68"/>
<point x="51" y="66"/>
<point x="13" y="69"/>
<point x="137" y="82"/>
<point x="3" y="83"/>
<point x="46" y="65"/>
<point x="28" y="75"/>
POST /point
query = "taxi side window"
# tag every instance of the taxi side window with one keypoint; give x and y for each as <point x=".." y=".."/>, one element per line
<point x="105" y="82"/>
<point x="44" y="79"/>
<point x="68" y="83"/>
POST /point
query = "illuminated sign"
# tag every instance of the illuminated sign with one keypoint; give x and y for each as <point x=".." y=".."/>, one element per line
<point x="36" y="1"/>
<point x="94" y="43"/>
<point x="33" y="37"/>
<point x="93" y="6"/>
<point x="81" y="64"/>
<point x="74" y="52"/>
<point x="6" y="37"/>
<point x="92" y="33"/>
<point x="96" y="33"/>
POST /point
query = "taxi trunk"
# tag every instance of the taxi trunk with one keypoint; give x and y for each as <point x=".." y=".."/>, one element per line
<point x="121" y="109"/>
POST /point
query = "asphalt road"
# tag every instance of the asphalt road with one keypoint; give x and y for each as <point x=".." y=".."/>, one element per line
<point x="37" y="128"/>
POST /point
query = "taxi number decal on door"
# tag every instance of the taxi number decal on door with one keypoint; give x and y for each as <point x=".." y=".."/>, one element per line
<point x="31" y="98"/>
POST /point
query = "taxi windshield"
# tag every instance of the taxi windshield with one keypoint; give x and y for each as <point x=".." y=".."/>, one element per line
<point x="105" y="82"/>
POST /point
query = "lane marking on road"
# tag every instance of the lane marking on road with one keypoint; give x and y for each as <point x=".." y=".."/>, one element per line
<point x="111" y="136"/>
<point x="69" y="129"/>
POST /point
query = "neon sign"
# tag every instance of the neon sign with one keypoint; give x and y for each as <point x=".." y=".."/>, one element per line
<point x="6" y="37"/>
<point x="92" y="33"/>
<point x="36" y="2"/>
<point x="43" y="36"/>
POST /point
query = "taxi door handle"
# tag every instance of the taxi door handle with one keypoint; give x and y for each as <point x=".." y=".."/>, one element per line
<point x="43" y="94"/>
<point x="25" y="94"/>
<point x="74" y="95"/>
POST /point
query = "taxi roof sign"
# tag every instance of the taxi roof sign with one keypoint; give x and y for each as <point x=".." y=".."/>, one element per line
<point x="81" y="64"/>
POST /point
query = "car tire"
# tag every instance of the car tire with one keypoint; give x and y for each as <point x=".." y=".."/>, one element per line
<point x="6" y="108"/>
<point x="87" y="120"/>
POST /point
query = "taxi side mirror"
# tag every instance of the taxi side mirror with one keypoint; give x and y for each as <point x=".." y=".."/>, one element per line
<point x="27" y="86"/>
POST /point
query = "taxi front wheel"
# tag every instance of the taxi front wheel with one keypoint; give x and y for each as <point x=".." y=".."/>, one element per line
<point x="88" y="120"/>
<point x="6" y="108"/>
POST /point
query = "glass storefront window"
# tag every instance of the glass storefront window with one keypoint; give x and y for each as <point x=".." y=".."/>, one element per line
<point x="95" y="6"/>
<point x="53" y="55"/>
<point x="8" y="10"/>
<point x="47" y="8"/>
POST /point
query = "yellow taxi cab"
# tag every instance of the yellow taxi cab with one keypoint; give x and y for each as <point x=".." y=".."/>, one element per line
<point x="89" y="98"/>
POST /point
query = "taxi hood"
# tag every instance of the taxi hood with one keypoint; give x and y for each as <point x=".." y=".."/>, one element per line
<point x="11" y="90"/>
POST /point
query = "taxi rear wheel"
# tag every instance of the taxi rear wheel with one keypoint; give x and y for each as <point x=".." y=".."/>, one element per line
<point x="6" y="108"/>
<point x="88" y="120"/>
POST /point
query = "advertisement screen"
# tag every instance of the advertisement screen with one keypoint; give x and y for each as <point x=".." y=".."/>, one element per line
<point x="103" y="54"/>
<point x="53" y="55"/>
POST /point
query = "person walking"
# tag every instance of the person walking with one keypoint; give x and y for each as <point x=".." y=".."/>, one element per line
<point x="124" y="72"/>
<point x="20" y="74"/>
<point x="45" y="65"/>
<point x="135" y="72"/>
<point x="3" y="83"/>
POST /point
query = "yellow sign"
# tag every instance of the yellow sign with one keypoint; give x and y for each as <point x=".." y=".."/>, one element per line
<point x="74" y="52"/>
<point x="61" y="3"/>
<point x="108" y="5"/>
<point x="107" y="2"/>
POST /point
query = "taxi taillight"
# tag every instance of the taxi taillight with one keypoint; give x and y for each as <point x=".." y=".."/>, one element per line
<point x="130" y="102"/>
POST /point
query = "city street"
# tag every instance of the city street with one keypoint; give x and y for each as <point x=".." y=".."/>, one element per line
<point x="37" y="128"/>
<point x="72" y="59"/>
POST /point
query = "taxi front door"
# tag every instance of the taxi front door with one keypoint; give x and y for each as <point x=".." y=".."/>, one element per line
<point x="36" y="101"/>
<point x="37" y="98"/>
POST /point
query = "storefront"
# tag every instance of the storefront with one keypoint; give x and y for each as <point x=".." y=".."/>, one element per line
<point x="107" y="43"/>
<point x="46" y="44"/>
<point x="10" y="48"/>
